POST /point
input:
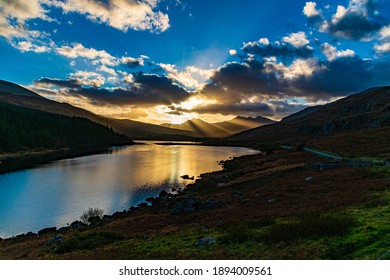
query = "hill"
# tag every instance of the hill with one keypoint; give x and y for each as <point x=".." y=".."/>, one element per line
<point x="23" y="129"/>
<point x="17" y="95"/>
<point x="201" y="128"/>
<point x="359" y="123"/>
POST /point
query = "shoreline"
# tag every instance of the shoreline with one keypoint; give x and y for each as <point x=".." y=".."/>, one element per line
<point x="281" y="189"/>
<point x="46" y="156"/>
<point x="38" y="161"/>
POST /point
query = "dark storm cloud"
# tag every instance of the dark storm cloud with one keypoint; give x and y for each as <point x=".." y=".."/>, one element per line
<point x="68" y="83"/>
<point x="285" y="51"/>
<point x="359" y="21"/>
<point x="237" y="82"/>
<point x="146" y="90"/>
<point x="354" y="26"/>
<point x="336" y="78"/>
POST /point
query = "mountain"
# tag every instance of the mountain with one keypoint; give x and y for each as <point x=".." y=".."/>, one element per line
<point x="221" y="129"/>
<point x="24" y="129"/>
<point x="344" y="124"/>
<point x="17" y="95"/>
<point x="11" y="88"/>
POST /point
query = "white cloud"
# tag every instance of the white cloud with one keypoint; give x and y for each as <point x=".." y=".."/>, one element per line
<point x="192" y="77"/>
<point x="310" y="9"/>
<point x="120" y="14"/>
<point x="299" y="68"/>
<point x="232" y="52"/>
<point x="104" y="68"/>
<point x="78" y="50"/>
<point x="298" y="39"/>
<point x="332" y="53"/>
<point x="88" y="78"/>
<point x="385" y="32"/>
<point x="383" y="48"/>
<point x="15" y="13"/>
<point x="26" y="46"/>
<point x="340" y="13"/>
<point x="264" y="41"/>
<point x="133" y="62"/>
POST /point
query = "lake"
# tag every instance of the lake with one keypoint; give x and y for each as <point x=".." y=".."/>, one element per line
<point x="57" y="193"/>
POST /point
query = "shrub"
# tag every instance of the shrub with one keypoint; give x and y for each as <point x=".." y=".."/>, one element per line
<point x="91" y="213"/>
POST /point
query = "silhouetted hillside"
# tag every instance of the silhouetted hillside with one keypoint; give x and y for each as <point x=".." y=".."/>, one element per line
<point x="26" y="129"/>
<point x="361" y="121"/>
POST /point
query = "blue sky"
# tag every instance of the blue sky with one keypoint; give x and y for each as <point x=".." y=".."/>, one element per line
<point x="170" y="60"/>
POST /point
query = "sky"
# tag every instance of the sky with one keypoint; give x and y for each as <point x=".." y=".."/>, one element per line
<point x="162" y="61"/>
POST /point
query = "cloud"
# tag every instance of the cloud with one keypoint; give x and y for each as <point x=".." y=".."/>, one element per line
<point x="383" y="48"/>
<point x="120" y="14"/>
<point x="359" y="21"/>
<point x="285" y="51"/>
<point x="88" y="78"/>
<point x="385" y="32"/>
<point x="104" y="68"/>
<point x="332" y="53"/>
<point x="192" y="77"/>
<point x="310" y="80"/>
<point x="264" y="41"/>
<point x="145" y="90"/>
<point x="133" y="62"/>
<point x="232" y="52"/>
<point x="78" y="50"/>
<point x="15" y="13"/>
<point x="310" y="9"/>
<point x="298" y="39"/>
<point x="26" y="46"/>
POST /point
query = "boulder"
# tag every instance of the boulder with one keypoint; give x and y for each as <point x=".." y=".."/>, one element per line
<point x="186" y="177"/>
<point x="56" y="239"/>
<point x="186" y="206"/>
<point x="78" y="225"/>
<point x="210" y="203"/>
<point x="209" y="240"/>
<point x="46" y="230"/>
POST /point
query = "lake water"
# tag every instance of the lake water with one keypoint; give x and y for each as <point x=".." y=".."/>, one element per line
<point x="58" y="193"/>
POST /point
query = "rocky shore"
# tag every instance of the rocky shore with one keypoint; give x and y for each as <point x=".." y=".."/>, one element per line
<point x="273" y="206"/>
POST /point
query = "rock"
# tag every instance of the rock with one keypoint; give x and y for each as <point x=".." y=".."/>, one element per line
<point x="209" y="203"/>
<point x="143" y="204"/>
<point x="163" y="193"/>
<point x="308" y="179"/>
<point x="186" y="206"/>
<point x="30" y="233"/>
<point x="46" y="230"/>
<point x="209" y="240"/>
<point x="238" y="195"/>
<point x="186" y="177"/>
<point x="149" y="199"/>
<point x="78" y="225"/>
<point x="56" y="239"/>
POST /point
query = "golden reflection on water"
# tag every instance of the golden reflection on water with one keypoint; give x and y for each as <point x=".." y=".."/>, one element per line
<point x="59" y="192"/>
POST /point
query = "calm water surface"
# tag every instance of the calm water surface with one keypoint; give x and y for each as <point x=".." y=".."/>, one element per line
<point x="57" y="193"/>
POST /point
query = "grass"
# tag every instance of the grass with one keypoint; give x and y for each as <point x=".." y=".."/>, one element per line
<point x="88" y="242"/>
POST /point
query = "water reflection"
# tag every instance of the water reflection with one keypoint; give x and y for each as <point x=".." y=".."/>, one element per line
<point x="58" y="193"/>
